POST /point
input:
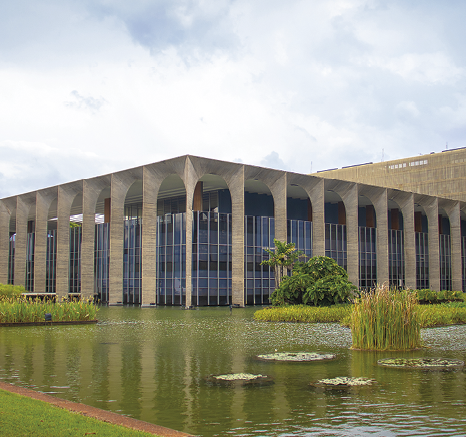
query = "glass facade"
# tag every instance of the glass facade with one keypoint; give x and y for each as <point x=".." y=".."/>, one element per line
<point x="171" y="259"/>
<point x="132" y="288"/>
<point x="259" y="280"/>
<point x="11" y="259"/>
<point x="51" y="262"/>
<point x="335" y="243"/>
<point x="300" y="233"/>
<point x="211" y="258"/>
<point x="75" y="260"/>
<point x="101" y="261"/>
<point x="445" y="262"/>
<point x="367" y="257"/>
<point x="396" y="263"/>
<point x="422" y="260"/>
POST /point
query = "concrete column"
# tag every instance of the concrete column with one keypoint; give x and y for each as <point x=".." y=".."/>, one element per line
<point x="64" y="202"/>
<point x="22" y="212"/>
<point x="278" y="189"/>
<point x="43" y="201"/>
<point x="350" y="199"/>
<point x="381" y="209"/>
<point x="236" y="186"/>
<point x="455" y="241"/>
<point x="150" y="188"/>
<point x="431" y="209"/>
<point x="119" y="187"/>
<point x="407" y="209"/>
<point x="4" y="242"/>
<point x="317" y="196"/>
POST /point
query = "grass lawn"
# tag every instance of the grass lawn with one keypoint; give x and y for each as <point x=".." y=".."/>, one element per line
<point x="23" y="416"/>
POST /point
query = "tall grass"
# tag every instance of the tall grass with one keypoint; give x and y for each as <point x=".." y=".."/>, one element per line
<point x="14" y="310"/>
<point x="385" y="319"/>
<point x="303" y="313"/>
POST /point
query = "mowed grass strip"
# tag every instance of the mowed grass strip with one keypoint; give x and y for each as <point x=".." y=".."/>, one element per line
<point x="23" y="416"/>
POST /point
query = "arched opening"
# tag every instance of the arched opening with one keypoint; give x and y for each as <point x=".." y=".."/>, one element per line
<point x="132" y="245"/>
<point x="11" y="250"/>
<point x="30" y="248"/>
<point x="422" y="247"/>
<point x="51" y="249"/>
<point x="259" y="235"/>
<point x="396" y="262"/>
<point x="335" y="228"/>
<point x="171" y="242"/>
<point x="444" y="231"/>
<point x="463" y="248"/>
<point x="76" y="221"/>
<point x="367" y="224"/>
<point x="299" y="219"/>
<point x="212" y="242"/>
<point x="102" y="246"/>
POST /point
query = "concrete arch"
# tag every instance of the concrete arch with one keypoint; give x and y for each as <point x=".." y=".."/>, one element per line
<point x="452" y="210"/>
<point x="4" y="242"/>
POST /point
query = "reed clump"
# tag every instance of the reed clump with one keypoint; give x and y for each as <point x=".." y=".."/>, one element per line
<point x="24" y="310"/>
<point x="386" y="319"/>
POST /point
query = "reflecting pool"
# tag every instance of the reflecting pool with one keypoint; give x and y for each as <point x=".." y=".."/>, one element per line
<point x="151" y="363"/>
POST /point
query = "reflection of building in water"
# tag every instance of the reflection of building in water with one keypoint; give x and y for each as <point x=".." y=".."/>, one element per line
<point x="192" y="231"/>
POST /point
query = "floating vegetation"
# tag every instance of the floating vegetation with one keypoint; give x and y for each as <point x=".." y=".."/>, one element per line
<point x="344" y="382"/>
<point x="296" y="356"/>
<point x="241" y="379"/>
<point x="421" y="363"/>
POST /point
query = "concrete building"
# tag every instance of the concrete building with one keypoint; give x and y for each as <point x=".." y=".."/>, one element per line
<point x="192" y="231"/>
<point x="436" y="174"/>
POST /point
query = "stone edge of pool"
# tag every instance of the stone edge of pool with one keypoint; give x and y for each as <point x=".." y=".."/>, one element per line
<point x="96" y="413"/>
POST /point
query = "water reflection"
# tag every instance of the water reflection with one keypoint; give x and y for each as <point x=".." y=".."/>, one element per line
<point x="151" y="364"/>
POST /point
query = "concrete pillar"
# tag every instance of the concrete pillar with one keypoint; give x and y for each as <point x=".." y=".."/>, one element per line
<point x="455" y="241"/>
<point x="380" y="202"/>
<point x="431" y="208"/>
<point x="4" y="242"/>
<point x="22" y="212"/>
<point x="43" y="201"/>
<point x="278" y="189"/>
<point x="236" y="186"/>
<point x="350" y="199"/>
<point x="64" y="202"/>
<point x="150" y="188"/>
<point x="317" y="196"/>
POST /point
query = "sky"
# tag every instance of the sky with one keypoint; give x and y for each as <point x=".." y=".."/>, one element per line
<point x="88" y="87"/>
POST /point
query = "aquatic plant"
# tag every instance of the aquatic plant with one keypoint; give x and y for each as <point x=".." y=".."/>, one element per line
<point x="239" y="379"/>
<point x="296" y="356"/>
<point x="14" y="310"/>
<point x="421" y="363"/>
<point x="453" y="313"/>
<point x="8" y="291"/>
<point x="386" y="319"/>
<point x="304" y="313"/>
<point x="344" y="381"/>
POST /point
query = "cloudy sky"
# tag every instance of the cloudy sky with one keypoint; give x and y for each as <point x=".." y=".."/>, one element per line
<point x="88" y="87"/>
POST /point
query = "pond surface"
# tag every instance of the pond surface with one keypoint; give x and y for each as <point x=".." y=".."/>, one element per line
<point x="151" y="363"/>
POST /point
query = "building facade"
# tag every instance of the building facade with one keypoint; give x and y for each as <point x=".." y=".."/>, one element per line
<point x="192" y="231"/>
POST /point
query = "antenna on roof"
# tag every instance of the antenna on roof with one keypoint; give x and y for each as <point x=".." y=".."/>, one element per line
<point x="382" y="155"/>
<point x="446" y="147"/>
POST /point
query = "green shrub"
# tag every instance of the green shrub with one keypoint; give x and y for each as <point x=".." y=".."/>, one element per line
<point x="8" y="291"/>
<point x="386" y="319"/>
<point x="430" y="296"/>
<point x="320" y="281"/>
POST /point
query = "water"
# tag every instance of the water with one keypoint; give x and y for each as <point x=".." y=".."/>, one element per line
<point x="151" y="363"/>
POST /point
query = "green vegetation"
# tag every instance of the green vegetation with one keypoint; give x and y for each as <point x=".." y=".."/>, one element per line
<point x="8" y="291"/>
<point x="41" y="419"/>
<point x="304" y="313"/>
<point x="386" y="319"/>
<point x="281" y="259"/>
<point x="320" y="281"/>
<point x="442" y="314"/>
<point x="430" y="296"/>
<point x="22" y="309"/>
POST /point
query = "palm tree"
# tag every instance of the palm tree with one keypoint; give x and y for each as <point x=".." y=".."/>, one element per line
<point x="281" y="259"/>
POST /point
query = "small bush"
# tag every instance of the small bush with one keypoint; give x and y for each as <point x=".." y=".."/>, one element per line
<point x="386" y="319"/>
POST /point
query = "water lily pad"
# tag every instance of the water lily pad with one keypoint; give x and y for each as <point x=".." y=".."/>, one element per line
<point x="421" y="363"/>
<point x="344" y="382"/>
<point x="296" y="356"/>
<point x="241" y="379"/>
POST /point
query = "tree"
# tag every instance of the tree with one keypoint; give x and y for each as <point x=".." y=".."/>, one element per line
<point x="282" y="259"/>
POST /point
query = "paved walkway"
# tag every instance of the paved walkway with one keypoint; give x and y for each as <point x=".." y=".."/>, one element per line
<point x="96" y="413"/>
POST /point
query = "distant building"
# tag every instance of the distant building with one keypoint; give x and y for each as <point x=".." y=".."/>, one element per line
<point x="192" y="231"/>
